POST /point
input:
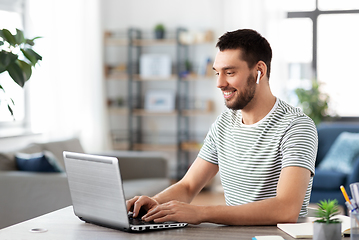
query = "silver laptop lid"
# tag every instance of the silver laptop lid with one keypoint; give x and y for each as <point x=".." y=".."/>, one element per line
<point x="96" y="189"/>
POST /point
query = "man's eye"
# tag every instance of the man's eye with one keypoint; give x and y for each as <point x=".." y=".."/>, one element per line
<point x="216" y="73"/>
<point x="230" y="73"/>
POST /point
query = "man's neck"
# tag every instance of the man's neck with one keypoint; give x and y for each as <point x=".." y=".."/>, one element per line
<point x="258" y="108"/>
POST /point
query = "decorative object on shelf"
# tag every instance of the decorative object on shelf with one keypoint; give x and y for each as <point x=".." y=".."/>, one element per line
<point x="159" y="101"/>
<point x="117" y="102"/>
<point x="314" y="102"/>
<point x="155" y="65"/>
<point x="195" y="37"/>
<point x="13" y="48"/>
<point x="327" y="227"/>
<point x="160" y="31"/>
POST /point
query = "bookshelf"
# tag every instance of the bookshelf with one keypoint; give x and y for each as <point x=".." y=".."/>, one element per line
<point x="131" y="125"/>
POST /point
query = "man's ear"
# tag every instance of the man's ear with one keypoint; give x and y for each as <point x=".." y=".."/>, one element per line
<point x="262" y="67"/>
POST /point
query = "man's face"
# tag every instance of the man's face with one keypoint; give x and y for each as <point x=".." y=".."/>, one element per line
<point x="235" y="79"/>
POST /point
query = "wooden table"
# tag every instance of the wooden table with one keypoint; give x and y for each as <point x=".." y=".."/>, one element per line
<point x="63" y="224"/>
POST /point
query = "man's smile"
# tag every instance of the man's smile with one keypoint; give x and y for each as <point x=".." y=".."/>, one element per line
<point x="228" y="94"/>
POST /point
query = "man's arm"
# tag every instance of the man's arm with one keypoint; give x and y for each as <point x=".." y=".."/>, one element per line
<point x="283" y="208"/>
<point x="199" y="174"/>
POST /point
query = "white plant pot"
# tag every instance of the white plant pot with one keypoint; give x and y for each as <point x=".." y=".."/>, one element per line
<point x="324" y="231"/>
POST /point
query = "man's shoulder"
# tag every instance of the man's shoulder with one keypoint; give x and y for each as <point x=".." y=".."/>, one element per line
<point x="286" y="110"/>
<point x="293" y="115"/>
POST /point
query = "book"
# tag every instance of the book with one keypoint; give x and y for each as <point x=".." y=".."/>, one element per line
<point x="305" y="230"/>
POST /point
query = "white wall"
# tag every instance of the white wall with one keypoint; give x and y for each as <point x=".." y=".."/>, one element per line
<point x="66" y="93"/>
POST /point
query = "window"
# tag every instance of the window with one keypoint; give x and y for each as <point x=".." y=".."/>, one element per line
<point x="11" y="17"/>
<point x="334" y="49"/>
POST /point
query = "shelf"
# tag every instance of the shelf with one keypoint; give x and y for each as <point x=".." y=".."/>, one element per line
<point x="153" y="42"/>
<point x="143" y="112"/>
<point x="185" y="38"/>
<point x="116" y="73"/>
<point x="195" y="112"/>
<point x="154" y="147"/>
<point x="111" y="39"/>
<point x="118" y="110"/>
<point x="196" y="77"/>
<point x="191" y="146"/>
<point x="137" y="77"/>
<point x="120" y="146"/>
<point x="185" y="146"/>
<point x="116" y="42"/>
<point x="117" y="76"/>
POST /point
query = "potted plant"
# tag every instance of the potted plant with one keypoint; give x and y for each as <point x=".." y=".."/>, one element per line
<point x="17" y="57"/>
<point x="314" y="103"/>
<point x="327" y="227"/>
<point x="160" y="31"/>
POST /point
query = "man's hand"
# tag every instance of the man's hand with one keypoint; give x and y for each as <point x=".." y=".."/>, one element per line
<point x="175" y="211"/>
<point x="138" y="202"/>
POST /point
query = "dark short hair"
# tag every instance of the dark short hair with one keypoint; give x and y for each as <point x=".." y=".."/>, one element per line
<point x="255" y="48"/>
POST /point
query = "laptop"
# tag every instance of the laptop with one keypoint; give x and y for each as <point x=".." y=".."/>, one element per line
<point x="97" y="194"/>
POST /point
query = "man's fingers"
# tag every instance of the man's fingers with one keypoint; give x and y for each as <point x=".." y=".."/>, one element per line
<point x="130" y="203"/>
<point x="157" y="215"/>
<point x="141" y="201"/>
<point x="135" y="204"/>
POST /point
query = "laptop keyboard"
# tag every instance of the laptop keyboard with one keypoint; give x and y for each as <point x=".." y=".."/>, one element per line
<point x="138" y="221"/>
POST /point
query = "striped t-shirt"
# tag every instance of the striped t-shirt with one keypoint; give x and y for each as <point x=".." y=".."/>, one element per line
<point x="250" y="157"/>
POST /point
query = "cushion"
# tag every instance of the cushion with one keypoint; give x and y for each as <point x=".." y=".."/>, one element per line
<point x="37" y="162"/>
<point x="7" y="159"/>
<point x="58" y="147"/>
<point x="7" y="162"/>
<point x="342" y="153"/>
<point x="328" y="179"/>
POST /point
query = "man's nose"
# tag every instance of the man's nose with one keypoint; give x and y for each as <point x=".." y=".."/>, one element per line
<point x="221" y="81"/>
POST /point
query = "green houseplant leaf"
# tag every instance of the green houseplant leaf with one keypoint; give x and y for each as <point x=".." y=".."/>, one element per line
<point x="327" y="209"/>
<point x="314" y="103"/>
<point x="7" y="36"/>
<point x="16" y="73"/>
<point x="12" y="49"/>
<point x="31" y="55"/>
<point x="26" y="69"/>
<point x="19" y="37"/>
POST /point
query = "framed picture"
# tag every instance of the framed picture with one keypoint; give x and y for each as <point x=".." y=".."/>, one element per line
<point x="159" y="101"/>
<point x="155" y="65"/>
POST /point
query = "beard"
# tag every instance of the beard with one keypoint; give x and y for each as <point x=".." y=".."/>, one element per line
<point x="242" y="99"/>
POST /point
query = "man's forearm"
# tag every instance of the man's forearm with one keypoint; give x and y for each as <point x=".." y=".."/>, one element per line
<point x="178" y="191"/>
<point x="191" y="184"/>
<point x="266" y="212"/>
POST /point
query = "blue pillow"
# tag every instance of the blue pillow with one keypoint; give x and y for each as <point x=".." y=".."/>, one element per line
<point x="37" y="162"/>
<point x="342" y="153"/>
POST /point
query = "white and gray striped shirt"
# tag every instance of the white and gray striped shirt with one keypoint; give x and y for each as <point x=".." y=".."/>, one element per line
<point x="251" y="157"/>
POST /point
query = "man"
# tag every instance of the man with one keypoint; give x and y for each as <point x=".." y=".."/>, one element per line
<point x="263" y="148"/>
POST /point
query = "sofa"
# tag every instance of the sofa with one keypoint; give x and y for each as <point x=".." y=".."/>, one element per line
<point x="25" y="194"/>
<point x="345" y="151"/>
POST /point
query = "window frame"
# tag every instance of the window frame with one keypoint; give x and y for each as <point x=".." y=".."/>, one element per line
<point x="314" y="15"/>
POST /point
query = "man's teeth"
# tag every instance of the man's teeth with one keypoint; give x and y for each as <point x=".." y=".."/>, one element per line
<point x="227" y="93"/>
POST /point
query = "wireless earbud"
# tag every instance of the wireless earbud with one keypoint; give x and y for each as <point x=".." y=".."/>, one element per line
<point x="258" y="77"/>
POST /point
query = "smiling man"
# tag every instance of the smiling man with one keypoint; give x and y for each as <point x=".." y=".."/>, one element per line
<point x="263" y="148"/>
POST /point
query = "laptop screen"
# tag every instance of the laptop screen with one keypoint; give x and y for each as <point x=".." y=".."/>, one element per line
<point x="96" y="189"/>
